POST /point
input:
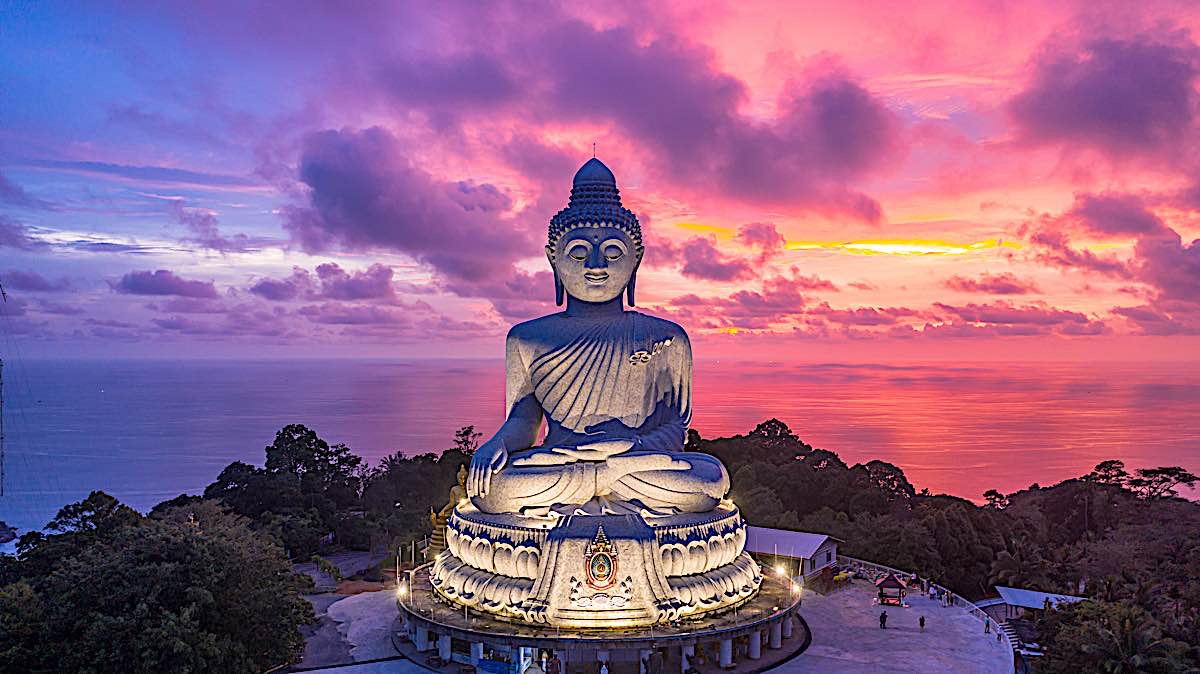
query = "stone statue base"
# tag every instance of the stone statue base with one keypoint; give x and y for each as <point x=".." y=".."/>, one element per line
<point x="596" y="571"/>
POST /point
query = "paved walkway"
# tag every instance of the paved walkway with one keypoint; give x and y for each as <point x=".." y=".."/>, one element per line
<point x="847" y="638"/>
<point x="352" y="629"/>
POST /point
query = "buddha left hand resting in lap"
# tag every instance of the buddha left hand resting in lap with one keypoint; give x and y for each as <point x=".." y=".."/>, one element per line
<point x="614" y="386"/>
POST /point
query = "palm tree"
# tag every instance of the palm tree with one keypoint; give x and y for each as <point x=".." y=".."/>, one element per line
<point x="1130" y="643"/>
<point x="1021" y="566"/>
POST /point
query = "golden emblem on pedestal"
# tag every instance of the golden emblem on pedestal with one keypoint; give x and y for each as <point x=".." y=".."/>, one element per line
<point x="600" y="562"/>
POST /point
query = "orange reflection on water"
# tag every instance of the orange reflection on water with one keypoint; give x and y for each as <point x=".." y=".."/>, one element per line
<point x="963" y="429"/>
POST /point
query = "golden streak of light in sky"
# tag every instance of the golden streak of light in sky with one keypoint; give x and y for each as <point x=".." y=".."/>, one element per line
<point x="903" y="246"/>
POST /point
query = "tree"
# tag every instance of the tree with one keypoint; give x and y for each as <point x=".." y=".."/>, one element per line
<point x="299" y="451"/>
<point x="889" y="479"/>
<point x="97" y="513"/>
<point x="1154" y="483"/>
<point x="1101" y="636"/>
<point x="466" y="440"/>
<point x="190" y="590"/>
<point x="1111" y="472"/>
<point x="995" y="499"/>
<point x="774" y="432"/>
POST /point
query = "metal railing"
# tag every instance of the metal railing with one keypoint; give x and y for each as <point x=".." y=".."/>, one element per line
<point x="954" y="599"/>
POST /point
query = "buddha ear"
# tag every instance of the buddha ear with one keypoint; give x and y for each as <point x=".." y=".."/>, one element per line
<point x="559" y="291"/>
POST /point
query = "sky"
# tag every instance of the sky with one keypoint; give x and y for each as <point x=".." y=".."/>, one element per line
<point x="816" y="181"/>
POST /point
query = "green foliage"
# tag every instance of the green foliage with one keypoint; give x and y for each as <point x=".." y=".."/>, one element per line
<point x="1100" y="636"/>
<point x="191" y="589"/>
<point x="310" y="492"/>
<point x="1106" y="535"/>
<point x="327" y="567"/>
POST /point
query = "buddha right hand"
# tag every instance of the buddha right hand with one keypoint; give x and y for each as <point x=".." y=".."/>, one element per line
<point x="488" y="459"/>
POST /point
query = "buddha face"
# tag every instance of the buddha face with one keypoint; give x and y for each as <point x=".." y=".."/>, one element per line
<point x="594" y="263"/>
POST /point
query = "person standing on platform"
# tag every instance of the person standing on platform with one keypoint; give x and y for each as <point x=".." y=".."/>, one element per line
<point x="883" y="620"/>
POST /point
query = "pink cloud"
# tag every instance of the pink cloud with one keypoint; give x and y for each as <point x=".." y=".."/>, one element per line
<point x="1005" y="313"/>
<point x="1005" y="283"/>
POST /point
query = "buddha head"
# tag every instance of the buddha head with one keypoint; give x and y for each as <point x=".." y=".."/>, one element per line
<point x="595" y="244"/>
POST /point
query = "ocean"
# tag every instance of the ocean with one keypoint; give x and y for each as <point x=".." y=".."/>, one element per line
<point x="148" y="430"/>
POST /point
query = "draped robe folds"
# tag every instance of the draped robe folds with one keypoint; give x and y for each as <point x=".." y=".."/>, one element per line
<point x="626" y="377"/>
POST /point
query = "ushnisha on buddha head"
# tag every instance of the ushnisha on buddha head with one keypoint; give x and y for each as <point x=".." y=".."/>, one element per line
<point x="595" y="244"/>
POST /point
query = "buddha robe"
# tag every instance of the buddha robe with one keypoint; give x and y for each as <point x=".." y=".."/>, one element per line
<point x="596" y="379"/>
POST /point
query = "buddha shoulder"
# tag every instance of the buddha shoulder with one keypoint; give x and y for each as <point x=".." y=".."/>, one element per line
<point x="553" y="325"/>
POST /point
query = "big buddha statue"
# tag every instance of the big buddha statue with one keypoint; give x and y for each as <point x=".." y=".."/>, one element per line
<point x="613" y="385"/>
<point x="653" y="537"/>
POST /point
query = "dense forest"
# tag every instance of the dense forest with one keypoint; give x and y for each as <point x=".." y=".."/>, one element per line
<point x="1127" y="541"/>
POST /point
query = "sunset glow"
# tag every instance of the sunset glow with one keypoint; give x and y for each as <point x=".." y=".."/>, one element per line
<point x="978" y="181"/>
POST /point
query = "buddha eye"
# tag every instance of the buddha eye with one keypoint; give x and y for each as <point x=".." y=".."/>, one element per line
<point x="578" y="252"/>
<point x="613" y="253"/>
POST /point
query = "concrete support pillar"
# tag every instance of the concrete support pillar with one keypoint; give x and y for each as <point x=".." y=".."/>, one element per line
<point x="776" y="635"/>
<point x="643" y="658"/>
<point x="444" y="647"/>
<point x="755" y="650"/>
<point x="476" y="652"/>
<point x="787" y="627"/>
<point x="685" y="658"/>
<point x="726" y="653"/>
<point x="421" y="638"/>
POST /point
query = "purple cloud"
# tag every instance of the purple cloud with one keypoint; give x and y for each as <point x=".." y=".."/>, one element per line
<point x="203" y="226"/>
<point x="163" y="282"/>
<point x="1005" y="283"/>
<point x="15" y="195"/>
<point x="13" y="234"/>
<point x="862" y="316"/>
<point x="1134" y="96"/>
<point x="344" y="314"/>
<point x="1173" y="268"/>
<point x="702" y="260"/>
<point x="1004" y="313"/>
<point x="669" y="95"/>
<point x="374" y="283"/>
<point x="1114" y="214"/>
<point x="364" y="194"/>
<point x="281" y="290"/>
<point x="31" y="281"/>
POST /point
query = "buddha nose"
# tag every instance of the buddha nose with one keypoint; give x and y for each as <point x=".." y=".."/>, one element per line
<point x="596" y="259"/>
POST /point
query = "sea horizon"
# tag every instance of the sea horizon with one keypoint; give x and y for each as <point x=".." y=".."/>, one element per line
<point x="148" y="429"/>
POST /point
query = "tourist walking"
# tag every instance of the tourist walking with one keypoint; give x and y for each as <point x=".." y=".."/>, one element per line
<point x="921" y="622"/>
<point x="883" y="620"/>
<point x="987" y="625"/>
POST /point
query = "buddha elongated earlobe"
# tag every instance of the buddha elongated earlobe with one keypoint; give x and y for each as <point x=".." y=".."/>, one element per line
<point x="629" y="288"/>
<point x="559" y="291"/>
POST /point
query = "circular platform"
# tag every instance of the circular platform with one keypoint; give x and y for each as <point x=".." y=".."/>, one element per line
<point x="607" y="571"/>
<point x="444" y="628"/>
